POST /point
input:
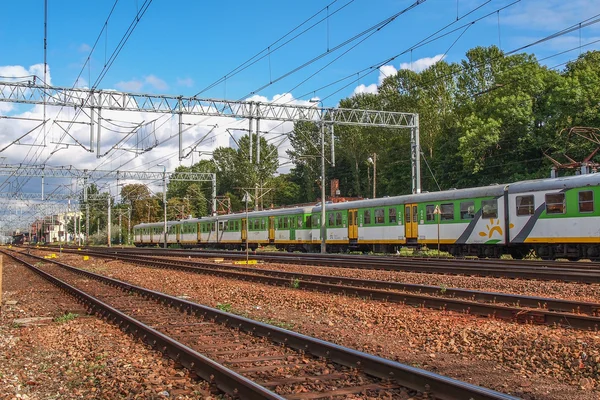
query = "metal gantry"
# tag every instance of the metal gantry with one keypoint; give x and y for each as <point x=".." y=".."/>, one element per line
<point x="97" y="100"/>
<point x="87" y="175"/>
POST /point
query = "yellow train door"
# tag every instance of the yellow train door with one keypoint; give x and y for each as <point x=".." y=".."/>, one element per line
<point x="352" y="224"/>
<point x="411" y="221"/>
<point x="271" y="229"/>
<point x="244" y="229"/>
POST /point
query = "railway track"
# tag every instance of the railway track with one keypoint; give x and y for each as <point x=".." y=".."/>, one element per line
<point x="245" y="358"/>
<point x="577" y="272"/>
<point x="518" y="308"/>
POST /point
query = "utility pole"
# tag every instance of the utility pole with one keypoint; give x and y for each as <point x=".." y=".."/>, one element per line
<point x="129" y="226"/>
<point x="120" y="241"/>
<point x="108" y="222"/>
<point x="164" y="202"/>
<point x="323" y="227"/>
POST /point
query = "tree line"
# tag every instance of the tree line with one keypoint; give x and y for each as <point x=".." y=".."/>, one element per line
<point x="490" y="118"/>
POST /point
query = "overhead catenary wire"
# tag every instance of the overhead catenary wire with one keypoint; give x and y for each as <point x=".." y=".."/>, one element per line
<point x="372" y="28"/>
<point x="271" y="48"/>
<point x="590" y="21"/>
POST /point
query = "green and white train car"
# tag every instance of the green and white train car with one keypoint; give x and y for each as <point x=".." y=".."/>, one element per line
<point x="557" y="217"/>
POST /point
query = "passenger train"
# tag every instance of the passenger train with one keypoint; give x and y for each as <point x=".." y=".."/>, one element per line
<point x="556" y="218"/>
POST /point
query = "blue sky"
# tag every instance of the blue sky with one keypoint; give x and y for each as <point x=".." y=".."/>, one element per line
<point x="180" y="47"/>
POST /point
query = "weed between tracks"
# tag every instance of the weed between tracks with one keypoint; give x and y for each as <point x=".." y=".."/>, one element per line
<point x="225" y="307"/>
<point x="66" y="318"/>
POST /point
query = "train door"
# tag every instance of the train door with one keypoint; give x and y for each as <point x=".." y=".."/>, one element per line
<point x="411" y="219"/>
<point x="271" y="229"/>
<point x="352" y="225"/>
<point x="178" y="232"/>
<point x="292" y="228"/>
<point x="244" y="229"/>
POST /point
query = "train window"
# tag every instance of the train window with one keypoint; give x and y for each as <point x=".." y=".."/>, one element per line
<point x="330" y="219"/>
<point x="586" y="201"/>
<point x="338" y="219"/>
<point x="221" y="226"/>
<point x="315" y="221"/>
<point x="380" y="215"/>
<point x="447" y="212"/>
<point x="263" y="224"/>
<point x="299" y="219"/>
<point x="555" y="203"/>
<point x="214" y="226"/>
<point x="237" y="225"/>
<point x="392" y="216"/>
<point x="308" y="221"/>
<point x="467" y="210"/>
<point x="256" y="224"/>
<point x="430" y="212"/>
<point x="407" y="212"/>
<point x="285" y="222"/>
<point x="525" y="205"/>
<point x="367" y="217"/>
<point x="489" y="208"/>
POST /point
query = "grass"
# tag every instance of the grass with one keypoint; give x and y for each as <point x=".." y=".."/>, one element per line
<point x="443" y="288"/>
<point x="279" y="324"/>
<point x="225" y="307"/>
<point x="66" y="318"/>
<point x="295" y="283"/>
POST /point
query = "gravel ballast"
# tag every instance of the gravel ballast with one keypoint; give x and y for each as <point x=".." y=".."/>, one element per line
<point x="530" y="361"/>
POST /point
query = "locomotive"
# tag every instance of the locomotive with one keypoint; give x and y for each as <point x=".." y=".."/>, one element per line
<point x="555" y="218"/>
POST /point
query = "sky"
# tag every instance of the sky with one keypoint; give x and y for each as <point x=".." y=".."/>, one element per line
<point x="188" y="47"/>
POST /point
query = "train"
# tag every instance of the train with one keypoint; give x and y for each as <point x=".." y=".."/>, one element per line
<point x="553" y="218"/>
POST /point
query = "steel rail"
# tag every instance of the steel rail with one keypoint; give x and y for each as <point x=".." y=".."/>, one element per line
<point x="546" y="303"/>
<point x="512" y="313"/>
<point x="416" y="379"/>
<point x="390" y="264"/>
<point x="224" y="378"/>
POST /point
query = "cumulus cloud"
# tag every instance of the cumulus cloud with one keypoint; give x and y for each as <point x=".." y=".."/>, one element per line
<point x="158" y="134"/>
<point x="130" y="86"/>
<point x="372" y="88"/>
<point x="136" y="85"/>
<point x="386" y="71"/>
<point x="156" y="82"/>
<point x="20" y="73"/>
<point x="187" y="82"/>
<point x="422" y="63"/>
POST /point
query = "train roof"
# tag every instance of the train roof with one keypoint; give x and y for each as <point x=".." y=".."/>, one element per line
<point x="155" y="224"/>
<point x="566" y="182"/>
<point x="457" y="194"/>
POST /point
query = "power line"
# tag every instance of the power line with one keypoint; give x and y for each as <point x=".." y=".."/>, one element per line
<point x="253" y="60"/>
<point x="380" y="25"/>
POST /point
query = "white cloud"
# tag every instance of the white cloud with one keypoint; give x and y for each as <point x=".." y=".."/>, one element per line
<point x="422" y="63"/>
<point x="81" y="82"/>
<point x="156" y="82"/>
<point x="386" y="71"/>
<point x="372" y="88"/>
<point x="130" y="86"/>
<point x="20" y="73"/>
<point x="117" y="124"/>
<point x="187" y="82"/>
<point x="136" y="85"/>
<point x="6" y="107"/>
